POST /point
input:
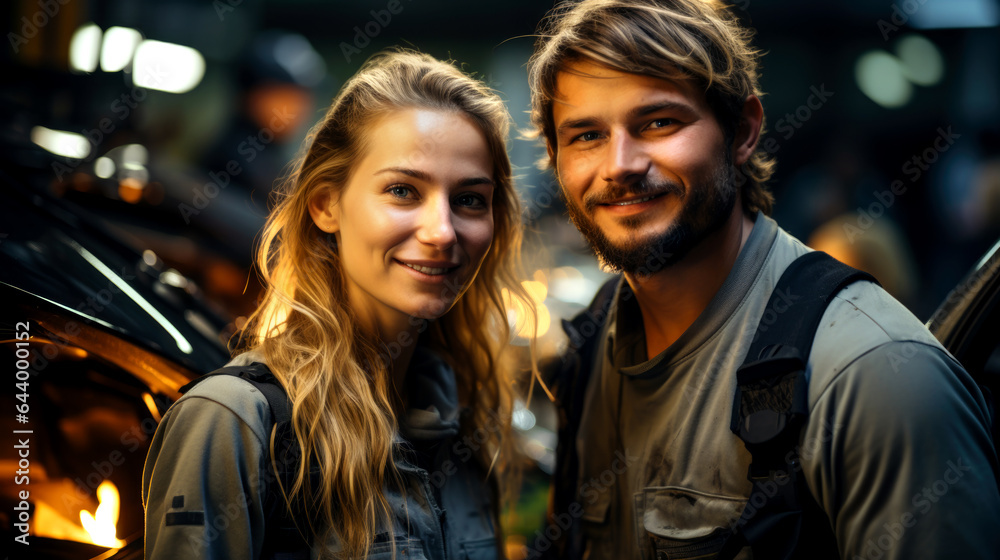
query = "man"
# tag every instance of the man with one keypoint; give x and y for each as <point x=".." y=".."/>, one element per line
<point x="650" y="113"/>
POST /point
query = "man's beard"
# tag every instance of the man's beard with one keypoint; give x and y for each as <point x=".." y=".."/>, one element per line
<point x="706" y="207"/>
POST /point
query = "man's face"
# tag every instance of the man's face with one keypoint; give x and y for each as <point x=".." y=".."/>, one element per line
<point x="643" y="164"/>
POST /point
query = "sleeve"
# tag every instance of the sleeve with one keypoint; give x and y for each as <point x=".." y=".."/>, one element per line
<point x="202" y="487"/>
<point x="898" y="453"/>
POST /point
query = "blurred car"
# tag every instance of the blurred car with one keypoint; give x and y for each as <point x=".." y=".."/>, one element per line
<point x="114" y="334"/>
<point x="968" y="324"/>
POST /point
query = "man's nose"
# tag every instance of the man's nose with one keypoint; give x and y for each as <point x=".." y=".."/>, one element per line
<point x="626" y="160"/>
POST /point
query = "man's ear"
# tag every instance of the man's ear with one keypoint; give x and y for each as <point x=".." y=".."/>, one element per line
<point x="324" y="208"/>
<point x="748" y="132"/>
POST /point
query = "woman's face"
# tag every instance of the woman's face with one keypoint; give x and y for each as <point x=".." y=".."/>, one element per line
<point x="415" y="220"/>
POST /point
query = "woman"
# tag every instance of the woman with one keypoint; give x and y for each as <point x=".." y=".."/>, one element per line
<point x="384" y="261"/>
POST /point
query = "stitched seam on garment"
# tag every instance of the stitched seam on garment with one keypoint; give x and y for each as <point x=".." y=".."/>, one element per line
<point x="836" y="377"/>
<point x="265" y="445"/>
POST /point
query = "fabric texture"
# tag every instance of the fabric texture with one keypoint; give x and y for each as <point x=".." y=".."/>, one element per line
<point x="896" y="448"/>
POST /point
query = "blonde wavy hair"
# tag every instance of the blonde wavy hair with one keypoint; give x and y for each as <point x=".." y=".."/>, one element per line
<point x="699" y="40"/>
<point x="334" y="373"/>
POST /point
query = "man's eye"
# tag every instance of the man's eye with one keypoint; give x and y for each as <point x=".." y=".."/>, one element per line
<point x="588" y="136"/>
<point x="661" y="123"/>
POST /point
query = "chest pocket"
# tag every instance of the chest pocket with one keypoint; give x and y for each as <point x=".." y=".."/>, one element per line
<point x="678" y="523"/>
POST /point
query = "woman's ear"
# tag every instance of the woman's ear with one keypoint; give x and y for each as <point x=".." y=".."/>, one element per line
<point x="324" y="208"/>
<point x="748" y="132"/>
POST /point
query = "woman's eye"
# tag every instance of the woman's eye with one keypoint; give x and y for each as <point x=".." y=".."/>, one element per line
<point x="400" y="191"/>
<point x="471" y="200"/>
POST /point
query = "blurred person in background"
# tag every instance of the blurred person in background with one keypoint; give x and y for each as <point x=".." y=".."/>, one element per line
<point x="276" y="75"/>
<point x="880" y="249"/>
<point x="651" y="116"/>
<point x="382" y="320"/>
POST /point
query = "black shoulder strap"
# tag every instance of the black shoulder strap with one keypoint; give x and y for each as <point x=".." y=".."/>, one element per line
<point x="770" y="408"/>
<point x="260" y="376"/>
<point x="569" y="382"/>
<point x="282" y="540"/>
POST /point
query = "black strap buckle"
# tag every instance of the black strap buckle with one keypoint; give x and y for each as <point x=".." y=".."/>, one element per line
<point x="770" y="404"/>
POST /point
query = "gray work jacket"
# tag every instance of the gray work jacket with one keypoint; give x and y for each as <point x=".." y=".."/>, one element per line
<point x="206" y="475"/>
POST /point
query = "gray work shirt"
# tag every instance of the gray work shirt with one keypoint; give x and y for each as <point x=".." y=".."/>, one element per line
<point x="896" y="450"/>
<point x="207" y="473"/>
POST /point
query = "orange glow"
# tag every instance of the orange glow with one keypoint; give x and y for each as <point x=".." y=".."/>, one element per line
<point x="101" y="526"/>
<point x="537" y="290"/>
<point x="130" y="190"/>
<point x="151" y="405"/>
<point x="521" y="320"/>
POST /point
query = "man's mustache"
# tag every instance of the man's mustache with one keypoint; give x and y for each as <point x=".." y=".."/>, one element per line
<point x="615" y="191"/>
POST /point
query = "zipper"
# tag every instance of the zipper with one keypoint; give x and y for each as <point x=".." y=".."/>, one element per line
<point x="436" y="512"/>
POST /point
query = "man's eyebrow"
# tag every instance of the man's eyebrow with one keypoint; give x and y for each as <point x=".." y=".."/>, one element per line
<point x="640" y="111"/>
<point x="575" y="124"/>
<point x="648" y="109"/>
<point x="417" y="174"/>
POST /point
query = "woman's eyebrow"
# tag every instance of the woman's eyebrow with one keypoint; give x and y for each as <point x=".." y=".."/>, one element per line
<point x="415" y="173"/>
<point x="472" y="181"/>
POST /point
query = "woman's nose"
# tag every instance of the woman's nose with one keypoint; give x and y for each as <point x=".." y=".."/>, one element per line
<point x="436" y="226"/>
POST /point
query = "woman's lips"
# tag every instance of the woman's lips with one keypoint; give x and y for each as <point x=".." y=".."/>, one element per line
<point x="430" y="269"/>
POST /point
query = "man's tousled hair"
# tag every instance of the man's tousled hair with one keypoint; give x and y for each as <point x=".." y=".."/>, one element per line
<point x="696" y="40"/>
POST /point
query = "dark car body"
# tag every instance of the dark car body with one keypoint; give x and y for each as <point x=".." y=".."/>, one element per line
<point x="97" y="338"/>
<point x="968" y="324"/>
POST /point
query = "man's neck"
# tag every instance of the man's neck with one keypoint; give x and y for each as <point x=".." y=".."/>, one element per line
<point x="674" y="297"/>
